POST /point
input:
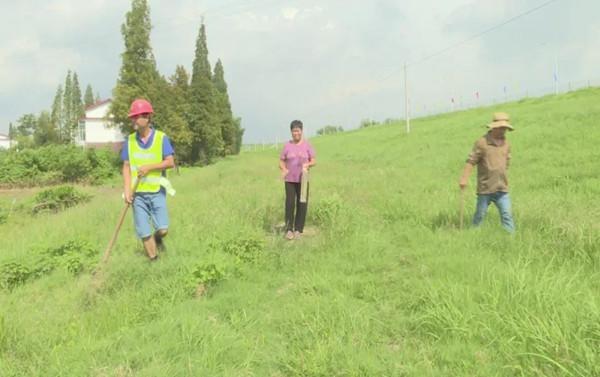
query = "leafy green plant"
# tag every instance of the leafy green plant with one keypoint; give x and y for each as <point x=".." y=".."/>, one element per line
<point x="13" y="274"/>
<point x="73" y="264"/>
<point x="58" y="199"/>
<point x="244" y="250"/>
<point x="207" y="274"/>
<point x="75" y="256"/>
<point x="54" y="164"/>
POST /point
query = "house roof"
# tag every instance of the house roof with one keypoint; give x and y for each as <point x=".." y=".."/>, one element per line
<point x="98" y="104"/>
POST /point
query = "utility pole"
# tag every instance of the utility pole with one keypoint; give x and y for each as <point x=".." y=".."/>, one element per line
<point x="406" y="102"/>
<point x="556" y="75"/>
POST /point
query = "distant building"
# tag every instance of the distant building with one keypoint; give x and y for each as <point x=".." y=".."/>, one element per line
<point x="97" y="129"/>
<point x="4" y="141"/>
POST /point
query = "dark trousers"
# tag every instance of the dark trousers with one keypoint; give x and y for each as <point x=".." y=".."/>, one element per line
<point x="292" y="202"/>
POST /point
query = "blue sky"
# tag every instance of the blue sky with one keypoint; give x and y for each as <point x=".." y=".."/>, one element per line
<point x="325" y="62"/>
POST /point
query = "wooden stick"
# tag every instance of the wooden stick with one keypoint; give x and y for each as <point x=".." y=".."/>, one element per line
<point x="462" y="207"/>
<point x="304" y="187"/>
<point x="113" y="239"/>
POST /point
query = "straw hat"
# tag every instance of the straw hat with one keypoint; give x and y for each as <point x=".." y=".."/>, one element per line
<point x="501" y="120"/>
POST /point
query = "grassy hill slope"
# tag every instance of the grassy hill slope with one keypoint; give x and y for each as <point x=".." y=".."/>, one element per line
<point x="385" y="285"/>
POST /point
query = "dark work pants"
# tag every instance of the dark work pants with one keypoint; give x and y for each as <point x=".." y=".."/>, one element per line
<point x="292" y="202"/>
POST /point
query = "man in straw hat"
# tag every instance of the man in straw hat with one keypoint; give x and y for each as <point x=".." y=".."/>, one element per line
<point x="491" y="155"/>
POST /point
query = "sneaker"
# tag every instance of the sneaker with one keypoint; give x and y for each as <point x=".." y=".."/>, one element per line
<point x="289" y="235"/>
<point x="154" y="258"/>
<point x="297" y="235"/>
<point x="160" y="245"/>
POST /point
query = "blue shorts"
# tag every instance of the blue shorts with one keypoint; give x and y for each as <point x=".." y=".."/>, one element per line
<point x="150" y="207"/>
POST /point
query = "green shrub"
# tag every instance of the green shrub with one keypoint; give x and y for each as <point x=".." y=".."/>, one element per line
<point x="75" y="256"/>
<point x="43" y="265"/>
<point x="328" y="130"/>
<point x="54" y="164"/>
<point x="207" y="274"/>
<point x="103" y="163"/>
<point x="58" y="199"/>
<point x="13" y="274"/>
<point x="365" y="123"/>
<point x="73" y="264"/>
<point x="244" y="250"/>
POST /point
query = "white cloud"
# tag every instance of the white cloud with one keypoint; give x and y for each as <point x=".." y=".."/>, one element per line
<point x="331" y="62"/>
<point x="328" y="26"/>
<point x="289" y="13"/>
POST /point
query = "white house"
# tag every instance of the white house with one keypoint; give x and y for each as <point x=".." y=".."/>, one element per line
<point x="4" y="141"/>
<point x="97" y="129"/>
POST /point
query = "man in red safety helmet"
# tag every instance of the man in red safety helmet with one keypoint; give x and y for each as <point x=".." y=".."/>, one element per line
<point x="146" y="155"/>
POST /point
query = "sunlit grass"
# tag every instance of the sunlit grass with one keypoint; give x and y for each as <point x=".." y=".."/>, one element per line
<point x="386" y="284"/>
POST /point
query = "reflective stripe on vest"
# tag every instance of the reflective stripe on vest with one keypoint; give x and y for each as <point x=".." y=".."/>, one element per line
<point x="139" y="157"/>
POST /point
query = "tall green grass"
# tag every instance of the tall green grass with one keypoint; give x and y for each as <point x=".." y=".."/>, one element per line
<point x="387" y="285"/>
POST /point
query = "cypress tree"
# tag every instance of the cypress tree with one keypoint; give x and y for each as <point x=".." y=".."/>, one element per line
<point x="11" y="133"/>
<point x="88" y="98"/>
<point x="207" y="139"/>
<point x="224" y="113"/>
<point x="67" y="109"/>
<point x="138" y="77"/>
<point x="178" y="127"/>
<point x="77" y="109"/>
<point x="45" y="130"/>
<point x="56" y="115"/>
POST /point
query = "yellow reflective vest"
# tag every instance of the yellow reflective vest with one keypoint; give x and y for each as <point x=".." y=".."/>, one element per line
<point x="151" y="155"/>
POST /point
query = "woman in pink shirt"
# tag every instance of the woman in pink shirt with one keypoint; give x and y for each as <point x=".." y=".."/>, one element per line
<point x="296" y="157"/>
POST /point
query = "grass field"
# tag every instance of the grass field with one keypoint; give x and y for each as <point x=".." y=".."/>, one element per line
<point x="385" y="285"/>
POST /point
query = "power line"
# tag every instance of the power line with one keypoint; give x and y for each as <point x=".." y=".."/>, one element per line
<point x="482" y="33"/>
<point x="451" y="47"/>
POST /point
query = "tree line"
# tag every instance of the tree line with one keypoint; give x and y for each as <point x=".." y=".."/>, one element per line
<point x="59" y="125"/>
<point x="194" y="110"/>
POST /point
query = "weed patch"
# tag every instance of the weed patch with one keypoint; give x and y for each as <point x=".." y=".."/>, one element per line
<point x="58" y="199"/>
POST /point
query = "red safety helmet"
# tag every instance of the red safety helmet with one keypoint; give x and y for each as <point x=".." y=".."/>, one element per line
<point x="140" y="106"/>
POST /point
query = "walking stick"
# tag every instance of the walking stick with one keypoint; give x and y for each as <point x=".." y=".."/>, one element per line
<point x="462" y="207"/>
<point x="98" y="277"/>
<point x="113" y="239"/>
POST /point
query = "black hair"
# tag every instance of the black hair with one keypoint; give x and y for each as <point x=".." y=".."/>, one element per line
<point x="296" y="124"/>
